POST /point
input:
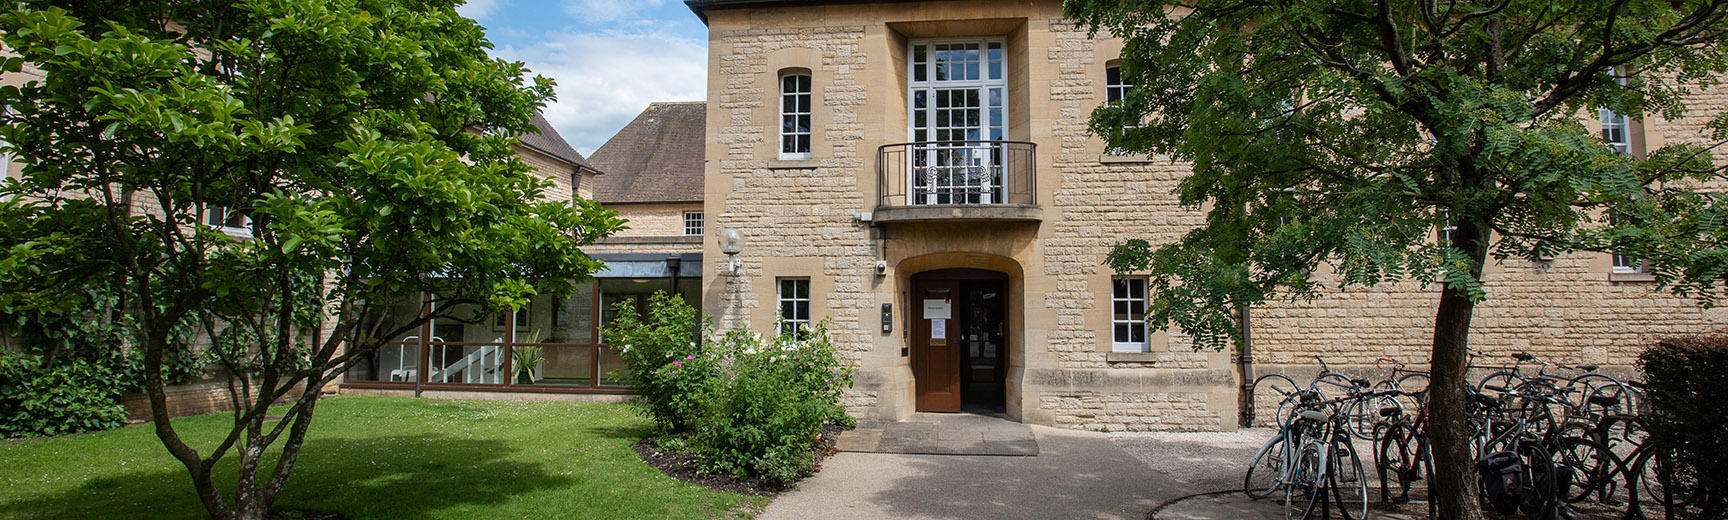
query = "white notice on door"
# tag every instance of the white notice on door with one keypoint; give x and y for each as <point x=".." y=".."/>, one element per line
<point x="938" y="309"/>
<point x="938" y="328"/>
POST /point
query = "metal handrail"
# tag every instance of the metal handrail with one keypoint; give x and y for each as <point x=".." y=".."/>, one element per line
<point x="948" y="173"/>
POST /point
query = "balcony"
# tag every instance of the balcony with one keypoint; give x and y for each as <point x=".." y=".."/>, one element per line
<point x="957" y="181"/>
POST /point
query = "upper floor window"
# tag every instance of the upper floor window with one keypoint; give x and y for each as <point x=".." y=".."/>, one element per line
<point x="1624" y="263"/>
<point x="794" y="303"/>
<point x="1447" y="229"/>
<point x="233" y="223"/>
<point x="1115" y="86"/>
<point x="795" y="115"/>
<point x="692" y="223"/>
<point x="1616" y="128"/>
<point x="1128" y="304"/>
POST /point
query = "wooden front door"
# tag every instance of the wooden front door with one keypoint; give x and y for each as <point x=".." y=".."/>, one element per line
<point x="936" y="345"/>
<point x="958" y="338"/>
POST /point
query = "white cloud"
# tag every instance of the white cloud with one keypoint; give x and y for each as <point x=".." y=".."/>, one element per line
<point x="479" y="9"/>
<point x="608" y="10"/>
<point x="606" y="78"/>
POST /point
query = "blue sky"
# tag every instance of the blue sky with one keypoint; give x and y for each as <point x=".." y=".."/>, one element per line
<point x="609" y="57"/>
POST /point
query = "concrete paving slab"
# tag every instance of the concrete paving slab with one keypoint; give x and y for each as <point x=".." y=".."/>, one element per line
<point x="944" y="434"/>
<point x="1074" y="475"/>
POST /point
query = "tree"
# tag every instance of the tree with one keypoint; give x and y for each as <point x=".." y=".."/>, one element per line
<point x="368" y="143"/>
<point x="1340" y="134"/>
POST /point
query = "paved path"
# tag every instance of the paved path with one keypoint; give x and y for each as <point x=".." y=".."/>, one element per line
<point x="943" y="434"/>
<point x="1075" y="475"/>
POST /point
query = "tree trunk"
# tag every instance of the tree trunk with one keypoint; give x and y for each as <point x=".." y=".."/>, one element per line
<point x="1455" y="490"/>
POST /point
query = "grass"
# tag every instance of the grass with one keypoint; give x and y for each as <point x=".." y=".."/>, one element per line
<point x="380" y="457"/>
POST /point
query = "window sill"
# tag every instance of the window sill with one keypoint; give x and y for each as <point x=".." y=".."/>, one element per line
<point x="1109" y="158"/>
<point x="792" y="164"/>
<point x="1632" y="277"/>
<point x="1130" y="357"/>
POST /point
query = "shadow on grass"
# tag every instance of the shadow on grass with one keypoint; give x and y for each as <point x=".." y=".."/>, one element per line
<point x="388" y="477"/>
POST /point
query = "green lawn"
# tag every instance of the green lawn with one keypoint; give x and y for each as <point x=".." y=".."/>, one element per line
<point x="380" y="457"/>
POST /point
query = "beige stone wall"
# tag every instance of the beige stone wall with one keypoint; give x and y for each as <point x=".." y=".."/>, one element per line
<point x="558" y="172"/>
<point x="798" y="221"/>
<point x="656" y="219"/>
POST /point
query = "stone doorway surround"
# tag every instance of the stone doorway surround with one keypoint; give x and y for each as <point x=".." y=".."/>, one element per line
<point x="942" y="434"/>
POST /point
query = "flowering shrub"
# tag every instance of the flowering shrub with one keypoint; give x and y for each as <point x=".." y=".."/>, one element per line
<point x="744" y="404"/>
<point x="659" y="351"/>
<point x="774" y="395"/>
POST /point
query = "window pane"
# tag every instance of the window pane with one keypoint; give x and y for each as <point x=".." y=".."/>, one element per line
<point x="558" y="365"/>
<point x="995" y="61"/>
<point x="1121" y="333"/>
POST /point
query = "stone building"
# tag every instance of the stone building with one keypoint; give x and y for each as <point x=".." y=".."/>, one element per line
<point x="921" y="175"/>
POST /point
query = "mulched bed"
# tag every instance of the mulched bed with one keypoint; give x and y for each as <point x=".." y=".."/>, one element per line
<point x="682" y="466"/>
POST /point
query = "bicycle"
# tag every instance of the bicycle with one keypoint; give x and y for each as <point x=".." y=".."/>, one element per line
<point x="1326" y="470"/>
<point x="1402" y="450"/>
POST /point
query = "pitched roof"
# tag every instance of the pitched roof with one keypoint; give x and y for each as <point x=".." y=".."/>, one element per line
<point x="658" y="157"/>
<point x="550" y="143"/>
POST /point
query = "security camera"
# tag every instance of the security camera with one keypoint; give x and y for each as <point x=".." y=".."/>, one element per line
<point x="881" y="268"/>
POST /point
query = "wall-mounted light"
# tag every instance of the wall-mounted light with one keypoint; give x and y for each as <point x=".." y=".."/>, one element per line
<point x="731" y="243"/>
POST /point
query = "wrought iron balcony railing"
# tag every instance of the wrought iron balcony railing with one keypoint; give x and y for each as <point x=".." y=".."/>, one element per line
<point x="956" y="173"/>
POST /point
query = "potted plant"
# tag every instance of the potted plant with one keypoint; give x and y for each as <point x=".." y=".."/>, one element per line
<point x="527" y="359"/>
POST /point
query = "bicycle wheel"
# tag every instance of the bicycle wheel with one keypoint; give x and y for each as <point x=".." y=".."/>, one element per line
<point x="1344" y="476"/>
<point x="1601" y="396"/>
<point x="1271" y="396"/>
<point x="1542" y="500"/>
<point x="1662" y="489"/>
<point x="1415" y="387"/>
<point x="1362" y="414"/>
<point x="1266" y="472"/>
<point x="1332" y="385"/>
<point x="1389" y="461"/>
<point x="1497" y="384"/>
<point x="1591" y="466"/>
<point x="1302" y="487"/>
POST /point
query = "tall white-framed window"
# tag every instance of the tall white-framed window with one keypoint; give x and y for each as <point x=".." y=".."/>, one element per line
<point x="959" y="105"/>
<point x="5" y="156"/>
<point x="1624" y="263"/>
<point x="1116" y="87"/>
<point x="1616" y="128"/>
<point x="794" y="114"/>
<point x="230" y="222"/>
<point x="1283" y="203"/>
<point x="692" y="223"/>
<point x="1446" y="230"/>
<point x="1128" y="304"/>
<point x="794" y="303"/>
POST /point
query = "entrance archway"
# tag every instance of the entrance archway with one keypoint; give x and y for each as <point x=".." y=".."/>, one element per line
<point x="961" y="332"/>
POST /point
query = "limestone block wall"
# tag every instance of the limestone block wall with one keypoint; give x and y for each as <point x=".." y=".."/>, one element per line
<point x="656" y="219"/>
<point x="796" y="216"/>
<point x="798" y="220"/>
<point x="559" y="173"/>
